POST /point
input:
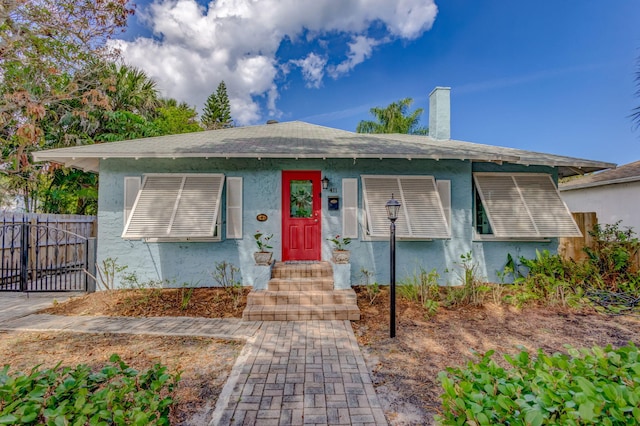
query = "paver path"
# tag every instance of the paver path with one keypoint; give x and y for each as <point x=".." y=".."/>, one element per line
<point x="15" y="305"/>
<point x="288" y="373"/>
<point x="222" y="328"/>
<point x="300" y="372"/>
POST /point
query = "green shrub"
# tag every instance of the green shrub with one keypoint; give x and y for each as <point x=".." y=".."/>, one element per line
<point x="116" y="395"/>
<point x="372" y="289"/>
<point x="422" y="288"/>
<point x="473" y="288"/>
<point x="612" y="254"/>
<point x="596" y="386"/>
<point x="608" y="279"/>
<point x="226" y="275"/>
<point x="551" y="280"/>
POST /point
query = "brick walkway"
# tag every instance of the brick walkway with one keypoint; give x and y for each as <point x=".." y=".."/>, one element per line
<point x="288" y="373"/>
<point x="227" y="328"/>
<point x="300" y="372"/>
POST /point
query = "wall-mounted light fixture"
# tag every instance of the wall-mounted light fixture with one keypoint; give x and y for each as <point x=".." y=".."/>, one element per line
<point x="325" y="182"/>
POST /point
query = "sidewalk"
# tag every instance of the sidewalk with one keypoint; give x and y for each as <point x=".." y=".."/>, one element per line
<point x="288" y="373"/>
<point x="16" y="305"/>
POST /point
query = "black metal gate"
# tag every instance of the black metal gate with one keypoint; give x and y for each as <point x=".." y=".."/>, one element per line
<point x="39" y="257"/>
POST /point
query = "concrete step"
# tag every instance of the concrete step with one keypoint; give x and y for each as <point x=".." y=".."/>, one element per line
<point x="301" y="312"/>
<point x="300" y="284"/>
<point x="333" y="297"/>
<point x="302" y="270"/>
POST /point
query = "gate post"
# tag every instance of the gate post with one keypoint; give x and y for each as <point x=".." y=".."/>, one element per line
<point x="91" y="264"/>
<point x="24" y="257"/>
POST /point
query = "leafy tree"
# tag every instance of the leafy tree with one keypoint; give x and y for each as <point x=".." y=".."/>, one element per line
<point x="48" y="53"/>
<point x="124" y="125"/>
<point x="395" y="118"/>
<point x="174" y="118"/>
<point x="69" y="191"/>
<point x="217" y="110"/>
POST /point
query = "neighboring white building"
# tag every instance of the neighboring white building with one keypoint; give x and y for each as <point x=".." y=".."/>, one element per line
<point x="613" y="194"/>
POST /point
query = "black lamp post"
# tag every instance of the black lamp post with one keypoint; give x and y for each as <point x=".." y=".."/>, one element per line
<point x="393" y="206"/>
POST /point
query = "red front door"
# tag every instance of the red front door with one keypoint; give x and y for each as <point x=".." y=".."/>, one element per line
<point x="301" y="221"/>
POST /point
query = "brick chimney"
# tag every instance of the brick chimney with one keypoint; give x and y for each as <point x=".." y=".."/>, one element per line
<point x="440" y="113"/>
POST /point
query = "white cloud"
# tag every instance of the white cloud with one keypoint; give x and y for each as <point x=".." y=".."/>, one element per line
<point x="195" y="47"/>
<point x="312" y="69"/>
<point x="359" y="50"/>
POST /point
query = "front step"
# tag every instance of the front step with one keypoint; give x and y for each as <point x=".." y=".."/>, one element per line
<point x="302" y="270"/>
<point x="301" y="284"/>
<point x="301" y="291"/>
<point x="301" y="312"/>
<point x="271" y="298"/>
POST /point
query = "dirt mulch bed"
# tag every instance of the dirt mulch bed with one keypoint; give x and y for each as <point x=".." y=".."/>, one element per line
<point x="205" y="363"/>
<point x="156" y="302"/>
<point x="405" y="369"/>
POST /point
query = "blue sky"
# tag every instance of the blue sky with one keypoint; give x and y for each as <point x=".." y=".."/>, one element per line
<point x="551" y="76"/>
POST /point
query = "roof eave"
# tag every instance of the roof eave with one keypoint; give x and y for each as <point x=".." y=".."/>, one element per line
<point x="91" y="162"/>
<point x="69" y="157"/>
<point x="599" y="183"/>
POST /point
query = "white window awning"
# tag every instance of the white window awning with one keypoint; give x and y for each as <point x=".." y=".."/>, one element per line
<point x="422" y="215"/>
<point x="176" y="206"/>
<point x="524" y="205"/>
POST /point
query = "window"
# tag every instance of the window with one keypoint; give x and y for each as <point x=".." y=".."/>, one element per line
<point x="172" y="207"/>
<point x="422" y="215"/>
<point x="301" y="199"/>
<point x="521" y="205"/>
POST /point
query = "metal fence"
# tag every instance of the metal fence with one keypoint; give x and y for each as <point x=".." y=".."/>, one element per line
<point x="47" y="252"/>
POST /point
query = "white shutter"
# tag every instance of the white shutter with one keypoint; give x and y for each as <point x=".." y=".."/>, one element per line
<point x="131" y="188"/>
<point x="444" y="191"/>
<point x="377" y="190"/>
<point x="524" y="205"/>
<point x="198" y="206"/>
<point x="176" y="206"/>
<point x="550" y="214"/>
<point x="425" y="214"/>
<point x="234" y="207"/>
<point x="152" y="212"/>
<point x="350" y="208"/>
<point x="421" y="215"/>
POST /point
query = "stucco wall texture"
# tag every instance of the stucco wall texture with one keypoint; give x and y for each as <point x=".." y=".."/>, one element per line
<point x="191" y="263"/>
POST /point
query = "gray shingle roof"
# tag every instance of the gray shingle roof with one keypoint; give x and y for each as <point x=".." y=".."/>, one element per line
<point x="297" y="139"/>
<point x="626" y="173"/>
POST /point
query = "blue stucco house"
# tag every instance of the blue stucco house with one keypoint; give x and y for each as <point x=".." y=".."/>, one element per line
<point x="171" y="207"/>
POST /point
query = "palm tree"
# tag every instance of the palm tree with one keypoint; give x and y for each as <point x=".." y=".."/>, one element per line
<point x="131" y="89"/>
<point x="395" y="118"/>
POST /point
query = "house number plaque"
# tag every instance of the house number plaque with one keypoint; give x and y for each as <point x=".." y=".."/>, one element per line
<point x="262" y="217"/>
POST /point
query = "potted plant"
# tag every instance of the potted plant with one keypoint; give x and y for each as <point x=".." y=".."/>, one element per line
<point x="340" y="253"/>
<point x="262" y="256"/>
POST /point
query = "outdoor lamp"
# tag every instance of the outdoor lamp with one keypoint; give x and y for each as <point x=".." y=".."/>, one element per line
<point x="392" y="207"/>
<point x="325" y="182"/>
